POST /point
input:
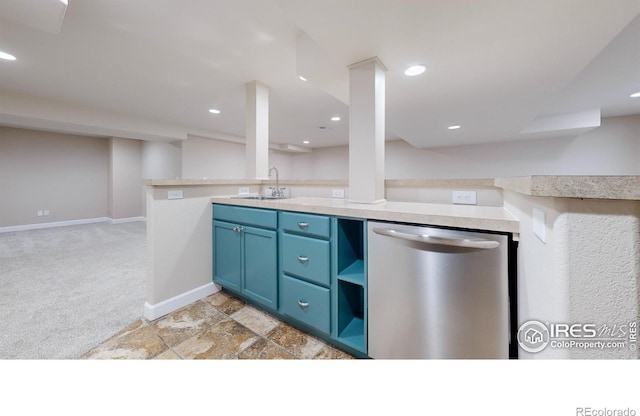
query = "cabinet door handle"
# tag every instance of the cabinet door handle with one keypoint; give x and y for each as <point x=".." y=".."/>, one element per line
<point x="302" y="259"/>
<point x="303" y="304"/>
<point x="303" y="225"/>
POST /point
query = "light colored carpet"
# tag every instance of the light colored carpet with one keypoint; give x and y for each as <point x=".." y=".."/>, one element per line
<point x="65" y="290"/>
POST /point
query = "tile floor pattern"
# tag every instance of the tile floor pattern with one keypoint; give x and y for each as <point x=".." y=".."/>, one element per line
<point x="218" y="327"/>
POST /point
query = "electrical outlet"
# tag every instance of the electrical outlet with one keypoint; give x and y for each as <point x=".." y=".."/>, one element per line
<point x="243" y="190"/>
<point x="464" y="197"/>
<point x="46" y="212"/>
<point x="177" y="194"/>
<point x="337" y="193"/>
<point x="40" y="213"/>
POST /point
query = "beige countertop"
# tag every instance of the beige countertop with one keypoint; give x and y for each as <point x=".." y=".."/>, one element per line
<point x="241" y="182"/>
<point x="462" y="216"/>
<point x="557" y="186"/>
<point x="573" y="186"/>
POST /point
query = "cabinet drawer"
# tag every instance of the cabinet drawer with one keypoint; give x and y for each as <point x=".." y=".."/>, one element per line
<point x="243" y="215"/>
<point x="306" y="257"/>
<point x="306" y="224"/>
<point x="306" y="302"/>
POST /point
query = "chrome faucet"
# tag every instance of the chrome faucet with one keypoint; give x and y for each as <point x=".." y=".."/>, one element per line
<point x="277" y="192"/>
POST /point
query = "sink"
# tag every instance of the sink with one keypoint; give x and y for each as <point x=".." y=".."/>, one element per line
<point x="258" y="197"/>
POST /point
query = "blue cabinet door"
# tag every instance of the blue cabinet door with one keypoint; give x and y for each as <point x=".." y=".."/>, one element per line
<point x="261" y="266"/>
<point x="227" y="255"/>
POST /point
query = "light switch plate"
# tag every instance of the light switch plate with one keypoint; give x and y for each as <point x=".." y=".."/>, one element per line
<point x="175" y="194"/>
<point x="464" y="197"/>
<point x="540" y="224"/>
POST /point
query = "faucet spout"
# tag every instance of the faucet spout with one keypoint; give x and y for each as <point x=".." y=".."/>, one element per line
<point x="277" y="192"/>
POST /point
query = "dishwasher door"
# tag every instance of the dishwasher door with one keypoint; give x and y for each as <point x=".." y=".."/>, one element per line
<point x="437" y="293"/>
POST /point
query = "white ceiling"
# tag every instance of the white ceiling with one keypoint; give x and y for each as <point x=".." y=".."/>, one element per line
<point x="503" y="69"/>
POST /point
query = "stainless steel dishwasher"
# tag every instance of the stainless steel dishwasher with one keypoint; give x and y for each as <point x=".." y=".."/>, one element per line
<point x="437" y="293"/>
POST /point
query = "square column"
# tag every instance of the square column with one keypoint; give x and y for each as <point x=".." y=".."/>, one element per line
<point x="257" y="130"/>
<point x="366" y="131"/>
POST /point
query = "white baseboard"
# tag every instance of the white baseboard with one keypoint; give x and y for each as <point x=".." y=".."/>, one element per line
<point x="123" y="220"/>
<point x="27" y="227"/>
<point x="153" y="312"/>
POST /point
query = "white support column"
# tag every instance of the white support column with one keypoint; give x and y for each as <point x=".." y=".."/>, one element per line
<point x="366" y="131"/>
<point x="257" y="130"/>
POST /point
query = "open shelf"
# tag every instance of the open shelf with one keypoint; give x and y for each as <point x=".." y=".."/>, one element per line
<point x="350" y="245"/>
<point x="353" y="333"/>
<point x="353" y="273"/>
<point x="350" y="284"/>
<point x="351" y="305"/>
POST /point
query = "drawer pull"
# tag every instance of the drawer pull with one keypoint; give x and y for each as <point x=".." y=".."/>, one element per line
<point x="302" y="259"/>
<point x="303" y="304"/>
<point x="303" y="225"/>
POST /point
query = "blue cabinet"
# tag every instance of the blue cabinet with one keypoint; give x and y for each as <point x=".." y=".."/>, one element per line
<point x="307" y="269"/>
<point x="245" y="257"/>
<point x="227" y="257"/>
<point x="305" y="256"/>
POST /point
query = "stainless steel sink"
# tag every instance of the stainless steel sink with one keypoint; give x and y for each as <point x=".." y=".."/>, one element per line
<point x="258" y="197"/>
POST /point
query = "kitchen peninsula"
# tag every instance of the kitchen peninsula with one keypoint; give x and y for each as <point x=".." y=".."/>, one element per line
<point x="565" y="272"/>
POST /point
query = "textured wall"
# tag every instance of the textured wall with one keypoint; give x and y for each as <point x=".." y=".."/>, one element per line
<point x="586" y="272"/>
<point x="601" y="241"/>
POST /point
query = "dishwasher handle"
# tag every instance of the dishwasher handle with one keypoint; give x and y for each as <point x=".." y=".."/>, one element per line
<point x="445" y="241"/>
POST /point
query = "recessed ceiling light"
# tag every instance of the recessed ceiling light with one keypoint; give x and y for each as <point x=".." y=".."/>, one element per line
<point x="302" y="78"/>
<point x="414" y="70"/>
<point x="635" y="95"/>
<point x="453" y="127"/>
<point x="306" y="142"/>
<point x="336" y="118"/>
<point x="214" y="111"/>
<point x="7" y="56"/>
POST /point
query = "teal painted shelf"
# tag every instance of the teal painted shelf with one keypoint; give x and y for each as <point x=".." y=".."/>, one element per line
<point x="353" y="273"/>
<point x="353" y="333"/>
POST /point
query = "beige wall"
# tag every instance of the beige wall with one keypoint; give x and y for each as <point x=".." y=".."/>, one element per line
<point x="323" y="163"/>
<point x="125" y="178"/>
<point x="65" y="174"/>
<point x="607" y="150"/>
<point x="611" y="149"/>
<point x="161" y="160"/>
<point x="216" y="159"/>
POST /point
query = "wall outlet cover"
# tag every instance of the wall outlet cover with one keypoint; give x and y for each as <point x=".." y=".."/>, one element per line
<point x="464" y="197"/>
<point x="243" y="190"/>
<point x="337" y="193"/>
<point x="46" y="212"/>
<point x="175" y="194"/>
<point x="40" y="213"/>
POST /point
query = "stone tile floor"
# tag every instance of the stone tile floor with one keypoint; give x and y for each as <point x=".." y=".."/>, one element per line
<point x="218" y="327"/>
